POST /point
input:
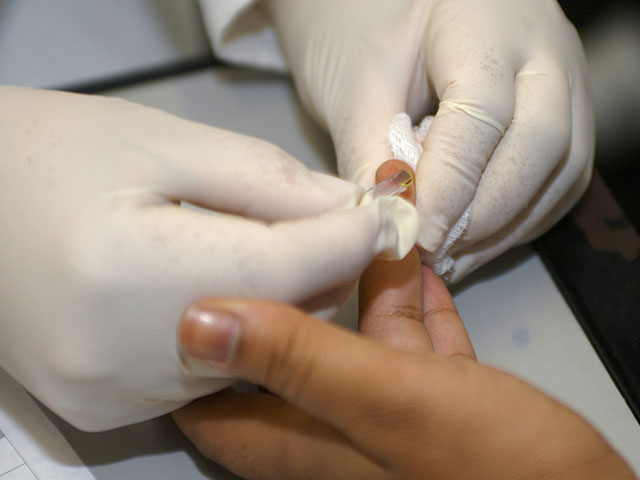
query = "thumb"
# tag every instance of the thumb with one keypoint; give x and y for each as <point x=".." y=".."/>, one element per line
<point x="318" y="367"/>
<point x="360" y="142"/>
<point x="360" y="119"/>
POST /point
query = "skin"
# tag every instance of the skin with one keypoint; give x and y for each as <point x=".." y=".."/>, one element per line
<point x="403" y="399"/>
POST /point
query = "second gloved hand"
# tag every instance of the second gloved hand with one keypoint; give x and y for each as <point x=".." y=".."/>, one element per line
<point x="513" y="137"/>
<point x="99" y="259"/>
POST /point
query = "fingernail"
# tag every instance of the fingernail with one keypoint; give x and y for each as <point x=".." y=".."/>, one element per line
<point x="390" y="168"/>
<point x="209" y="334"/>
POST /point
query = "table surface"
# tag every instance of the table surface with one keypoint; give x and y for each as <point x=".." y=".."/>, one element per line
<point x="515" y="315"/>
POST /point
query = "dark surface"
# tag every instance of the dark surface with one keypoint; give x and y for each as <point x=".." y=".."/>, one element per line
<point x="593" y="255"/>
<point x="584" y="12"/>
<point x="135" y="77"/>
<point x="623" y="183"/>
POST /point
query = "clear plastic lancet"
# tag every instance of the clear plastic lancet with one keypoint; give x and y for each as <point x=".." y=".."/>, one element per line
<point x="396" y="184"/>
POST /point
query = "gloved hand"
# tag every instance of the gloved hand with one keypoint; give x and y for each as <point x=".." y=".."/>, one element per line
<point x="513" y="137"/>
<point x="98" y="259"/>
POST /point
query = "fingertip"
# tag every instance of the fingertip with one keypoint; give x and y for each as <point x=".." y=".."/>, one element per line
<point x="334" y="192"/>
<point x="389" y="168"/>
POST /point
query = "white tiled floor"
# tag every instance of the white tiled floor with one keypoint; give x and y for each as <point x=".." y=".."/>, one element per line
<point x="20" y="473"/>
<point x="10" y="460"/>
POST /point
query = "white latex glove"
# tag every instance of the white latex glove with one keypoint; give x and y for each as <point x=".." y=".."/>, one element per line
<point x="98" y="260"/>
<point x="513" y="136"/>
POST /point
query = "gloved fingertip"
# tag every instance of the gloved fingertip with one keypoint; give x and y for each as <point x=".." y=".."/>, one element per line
<point x="337" y="192"/>
<point x="399" y="227"/>
<point x="432" y="234"/>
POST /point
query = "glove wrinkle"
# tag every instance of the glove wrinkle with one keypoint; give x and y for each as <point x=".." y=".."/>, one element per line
<point x="475" y="112"/>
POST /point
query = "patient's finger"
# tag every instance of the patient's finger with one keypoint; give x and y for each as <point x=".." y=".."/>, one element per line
<point x="261" y="436"/>
<point x="445" y="327"/>
<point x="390" y="295"/>
<point x="390" y="304"/>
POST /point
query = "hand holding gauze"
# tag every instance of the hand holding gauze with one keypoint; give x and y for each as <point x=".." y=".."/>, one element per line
<point x="511" y="145"/>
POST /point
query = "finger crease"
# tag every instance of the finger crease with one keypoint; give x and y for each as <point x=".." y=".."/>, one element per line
<point x="439" y="311"/>
<point x="405" y="312"/>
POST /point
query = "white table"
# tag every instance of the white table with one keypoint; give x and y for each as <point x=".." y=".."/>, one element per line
<point x="516" y="317"/>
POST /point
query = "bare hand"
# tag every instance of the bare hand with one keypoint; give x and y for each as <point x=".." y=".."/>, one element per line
<point x="405" y="399"/>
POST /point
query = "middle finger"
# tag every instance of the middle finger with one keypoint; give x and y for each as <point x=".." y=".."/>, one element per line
<point x="390" y="293"/>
